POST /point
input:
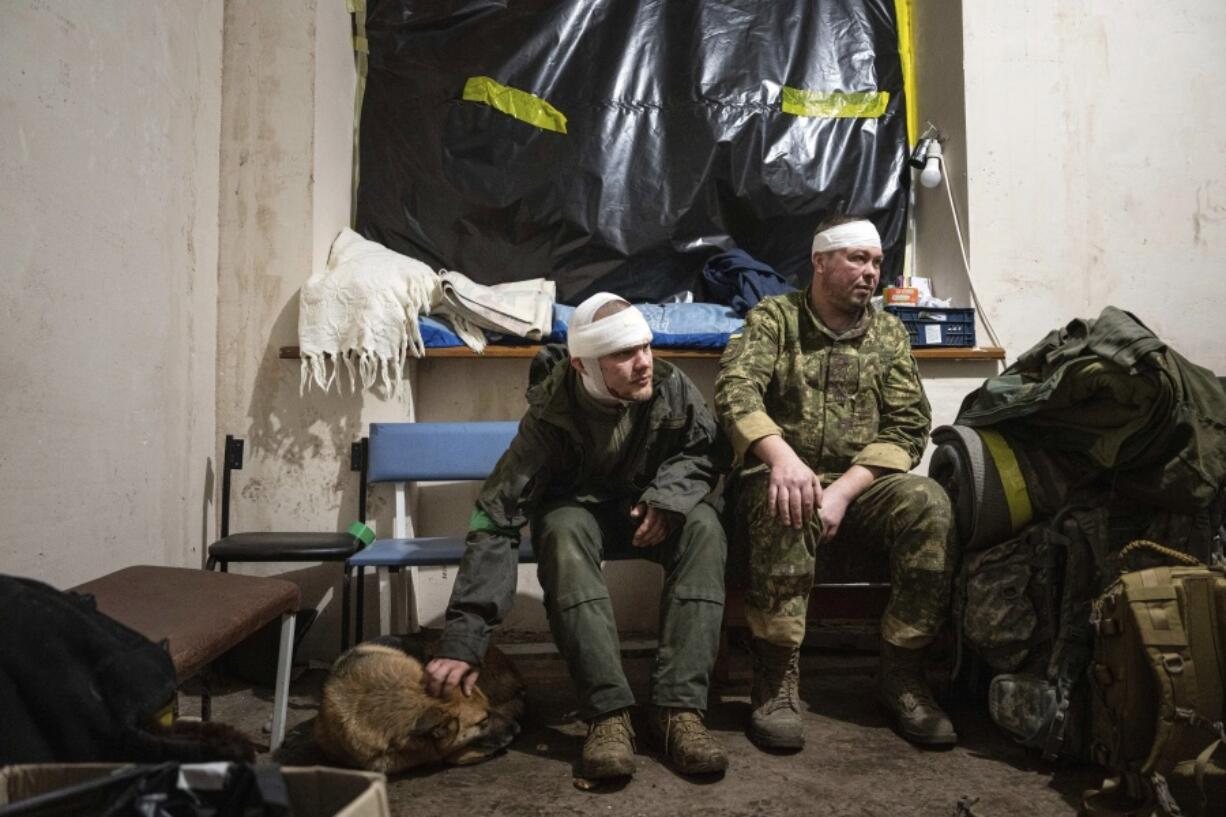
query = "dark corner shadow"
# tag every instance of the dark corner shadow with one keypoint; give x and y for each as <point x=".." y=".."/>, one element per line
<point x="544" y="741"/>
<point x="300" y="748"/>
<point x="980" y="737"/>
<point x="848" y="698"/>
<point x="283" y="425"/>
<point x="727" y="715"/>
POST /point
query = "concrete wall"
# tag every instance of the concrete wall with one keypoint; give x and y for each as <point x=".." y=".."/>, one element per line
<point x="1093" y="161"/>
<point x="109" y="122"/>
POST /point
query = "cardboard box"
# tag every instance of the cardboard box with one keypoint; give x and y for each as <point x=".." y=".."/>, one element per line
<point x="901" y="296"/>
<point x="314" y="791"/>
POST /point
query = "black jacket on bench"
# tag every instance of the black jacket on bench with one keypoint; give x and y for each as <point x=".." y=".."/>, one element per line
<point x="669" y="466"/>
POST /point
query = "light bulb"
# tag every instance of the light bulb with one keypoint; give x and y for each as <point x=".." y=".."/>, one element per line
<point x="931" y="176"/>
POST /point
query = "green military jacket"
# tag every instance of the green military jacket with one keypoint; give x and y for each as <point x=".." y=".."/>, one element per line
<point x="837" y="400"/>
<point x="666" y="464"/>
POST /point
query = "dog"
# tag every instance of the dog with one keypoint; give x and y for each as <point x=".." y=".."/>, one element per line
<point x="375" y="712"/>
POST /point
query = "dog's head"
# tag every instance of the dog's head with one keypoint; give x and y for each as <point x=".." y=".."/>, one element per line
<point x="463" y="729"/>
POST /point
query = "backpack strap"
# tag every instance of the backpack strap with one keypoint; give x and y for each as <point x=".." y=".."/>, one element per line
<point x="1155" y="607"/>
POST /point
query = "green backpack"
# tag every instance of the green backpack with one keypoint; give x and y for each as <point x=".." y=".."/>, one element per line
<point x="1157" y="690"/>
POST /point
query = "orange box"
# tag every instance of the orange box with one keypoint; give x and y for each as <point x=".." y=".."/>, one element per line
<point x="901" y="296"/>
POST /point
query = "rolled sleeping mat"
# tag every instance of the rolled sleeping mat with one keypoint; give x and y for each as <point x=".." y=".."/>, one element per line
<point x="980" y="473"/>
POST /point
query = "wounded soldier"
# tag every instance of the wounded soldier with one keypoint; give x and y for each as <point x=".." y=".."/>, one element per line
<point x="612" y="458"/>
<point x="824" y="406"/>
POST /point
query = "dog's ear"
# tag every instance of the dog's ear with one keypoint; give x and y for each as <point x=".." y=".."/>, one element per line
<point x="431" y="720"/>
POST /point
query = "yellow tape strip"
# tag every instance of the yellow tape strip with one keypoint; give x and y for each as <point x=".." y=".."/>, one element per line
<point x="867" y="104"/>
<point x="1016" y="495"/>
<point x="906" y="53"/>
<point x="515" y="103"/>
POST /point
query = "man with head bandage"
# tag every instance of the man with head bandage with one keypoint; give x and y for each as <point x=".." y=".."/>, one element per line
<point x="823" y="403"/>
<point x="612" y="458"/>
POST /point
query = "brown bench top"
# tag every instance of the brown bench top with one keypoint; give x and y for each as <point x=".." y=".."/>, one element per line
<point x="201" y="613"/>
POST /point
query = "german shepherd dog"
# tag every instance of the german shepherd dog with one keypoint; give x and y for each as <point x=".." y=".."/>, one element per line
<point x="376" y="713"/>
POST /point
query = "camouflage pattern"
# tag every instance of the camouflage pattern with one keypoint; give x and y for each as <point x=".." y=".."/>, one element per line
<point x="1023" y="705"/>
<point x="908" y="515"/>
<point x="838" y="400"/>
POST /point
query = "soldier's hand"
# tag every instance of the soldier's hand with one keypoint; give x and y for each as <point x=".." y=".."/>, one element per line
<point x="833" y="508"/>
<point x="795" y="492"/>
<point x="445" y="674"/>
<point x="656" y="526"/>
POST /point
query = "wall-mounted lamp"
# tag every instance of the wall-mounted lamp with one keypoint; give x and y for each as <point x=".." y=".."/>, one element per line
<point x="931" y="174"/>
<point x="927" y="158"/>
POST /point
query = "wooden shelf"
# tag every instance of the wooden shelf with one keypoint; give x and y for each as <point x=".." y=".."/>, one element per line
<point x="524" y="352"/>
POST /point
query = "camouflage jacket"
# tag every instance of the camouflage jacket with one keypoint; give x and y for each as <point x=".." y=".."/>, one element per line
<point x="667" y="464"/>
<point x="838" y="400"/>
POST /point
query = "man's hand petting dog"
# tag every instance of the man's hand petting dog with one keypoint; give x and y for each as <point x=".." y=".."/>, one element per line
<point x="445" y="674"/>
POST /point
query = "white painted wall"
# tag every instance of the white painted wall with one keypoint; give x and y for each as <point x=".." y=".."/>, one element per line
<point x="1095" y="162"/>
<point x="109" y="121"/>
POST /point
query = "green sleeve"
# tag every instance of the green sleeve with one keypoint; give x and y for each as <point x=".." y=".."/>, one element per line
<point x="745" y="372"/>
<point x="902" y="432"/>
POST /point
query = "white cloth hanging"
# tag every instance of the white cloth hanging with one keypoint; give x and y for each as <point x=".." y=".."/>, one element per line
<point x="362" y="309"/>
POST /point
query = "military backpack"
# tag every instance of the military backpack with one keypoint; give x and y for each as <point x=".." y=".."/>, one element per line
<point x="1156" y="690"/>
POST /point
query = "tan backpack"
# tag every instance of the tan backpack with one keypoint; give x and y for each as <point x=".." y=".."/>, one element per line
<point x="1156" y="690"/>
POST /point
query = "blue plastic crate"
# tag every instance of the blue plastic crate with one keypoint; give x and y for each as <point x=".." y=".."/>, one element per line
<point x="933" y="326"/>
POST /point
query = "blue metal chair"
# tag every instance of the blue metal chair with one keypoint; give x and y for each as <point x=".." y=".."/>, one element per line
<point x="404" y="453"/>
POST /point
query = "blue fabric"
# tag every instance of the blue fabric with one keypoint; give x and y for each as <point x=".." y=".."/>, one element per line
<point x="739" y="280"/>
<point x="405" y="452"/>
<point x="422" y="551"/>
<point x="437" y="334"/>
<point x="688" y="326"/>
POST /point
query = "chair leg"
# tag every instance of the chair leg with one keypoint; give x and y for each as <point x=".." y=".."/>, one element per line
<point x="385" y="601"/>
<point x="280" y="701"/>
<point x="345" y="582"/>
<point x="360" y="614"/>
<point x="211" y="563"/>
<point x="410" y="600"/>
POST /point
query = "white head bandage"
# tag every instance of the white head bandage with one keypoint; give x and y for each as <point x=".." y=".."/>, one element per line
<point x="852" y="234"/>
<point x="589" y="340"/>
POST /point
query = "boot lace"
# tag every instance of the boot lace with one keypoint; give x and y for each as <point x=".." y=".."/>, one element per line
<point x="611" y="730"/>
<point x="686" y="725"/>
<point x="783" y="680"/>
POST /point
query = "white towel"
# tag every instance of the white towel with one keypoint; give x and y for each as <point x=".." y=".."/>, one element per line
<point x="521" y="308"/>
<point x="362" y="309"/>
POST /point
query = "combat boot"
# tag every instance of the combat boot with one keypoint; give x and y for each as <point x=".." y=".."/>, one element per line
<point x="775" y="721"/>
<point x="609" y="748"/>
<point x="905" y="694"/>
<point x="684" y="739"/>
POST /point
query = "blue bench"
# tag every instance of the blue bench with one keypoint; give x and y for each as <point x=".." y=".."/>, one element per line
<point x="404" y="453"/>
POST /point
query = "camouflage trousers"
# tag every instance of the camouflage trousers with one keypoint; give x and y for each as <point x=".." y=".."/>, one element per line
<point x="905" y="515"/>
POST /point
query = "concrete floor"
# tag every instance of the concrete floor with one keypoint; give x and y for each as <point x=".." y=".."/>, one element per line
<point x="853" y="764"/>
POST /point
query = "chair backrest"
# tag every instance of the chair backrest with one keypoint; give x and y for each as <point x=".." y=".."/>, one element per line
<point x="433" y="452"/>
<point x="411" y="452"/>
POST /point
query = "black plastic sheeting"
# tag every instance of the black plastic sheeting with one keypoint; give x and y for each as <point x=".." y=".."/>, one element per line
<point x="676" y="144"/>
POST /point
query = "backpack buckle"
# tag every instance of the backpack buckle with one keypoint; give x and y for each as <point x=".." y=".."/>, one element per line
<point x="1173" y="663"/>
